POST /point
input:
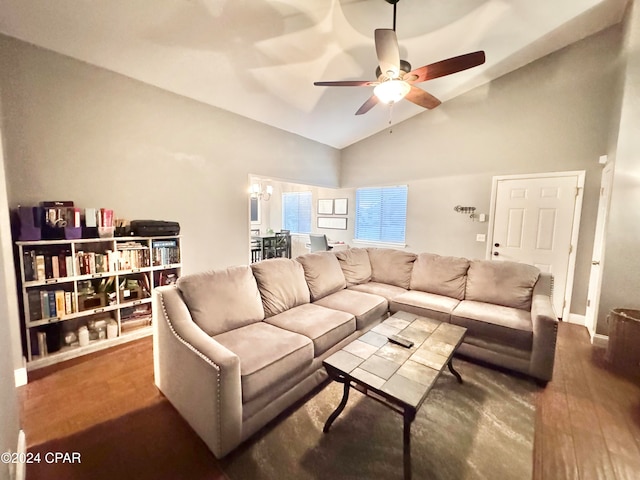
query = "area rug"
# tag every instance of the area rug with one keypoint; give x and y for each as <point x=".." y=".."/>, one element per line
<point x="482" y="429"/>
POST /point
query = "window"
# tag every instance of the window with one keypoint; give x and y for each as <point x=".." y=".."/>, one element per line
<point x="381" y="214"/>
<point x="296" y="212"/>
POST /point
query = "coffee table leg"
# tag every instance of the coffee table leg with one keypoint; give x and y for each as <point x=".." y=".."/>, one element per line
<point x="338" y="410"/>
<point x="453" y="371"/>
<point x="406" y="443"/>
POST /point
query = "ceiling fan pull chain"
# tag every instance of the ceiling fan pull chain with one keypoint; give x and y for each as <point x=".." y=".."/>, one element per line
<point x="390" y="117"/>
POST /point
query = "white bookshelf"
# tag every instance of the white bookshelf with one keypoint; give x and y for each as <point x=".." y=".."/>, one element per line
<point x="104" y="280"/>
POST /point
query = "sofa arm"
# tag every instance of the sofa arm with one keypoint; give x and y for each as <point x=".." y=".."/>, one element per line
<point x="200" y="377"/>
<point x="545" y="332"/>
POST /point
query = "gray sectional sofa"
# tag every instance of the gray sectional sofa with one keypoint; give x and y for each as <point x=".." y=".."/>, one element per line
<point x="233" y="348"/>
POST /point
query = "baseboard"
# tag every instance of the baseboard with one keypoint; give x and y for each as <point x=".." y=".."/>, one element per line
<point x="600" y="340"/>
<point x="21" y="470"/>
<point x="17" y="470"/>
<point x="20" y="376"/>
<point x="576" y="319"/>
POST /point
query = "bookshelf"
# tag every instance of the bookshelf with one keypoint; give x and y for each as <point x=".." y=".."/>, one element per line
<point x="81" y="296"/>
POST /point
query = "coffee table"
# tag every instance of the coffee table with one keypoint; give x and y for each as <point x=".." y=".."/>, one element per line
<point x="398" y="377"/>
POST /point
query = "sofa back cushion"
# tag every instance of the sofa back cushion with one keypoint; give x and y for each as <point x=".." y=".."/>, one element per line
<point x="441" y="275"/>
<point x="222" y="300"/>
<point x="501" y="283"/>
<point x="355" y="265"/>
<point x="391" y="266"/>
<point x="323" y="274"/>
<point x="281" y="283"/>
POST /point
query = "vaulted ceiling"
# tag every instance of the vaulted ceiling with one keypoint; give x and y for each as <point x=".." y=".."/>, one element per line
<point x="259" y="58"/>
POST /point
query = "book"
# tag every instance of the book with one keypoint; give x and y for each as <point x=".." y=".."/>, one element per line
<point x="55" y="267"/>
<point x="52" y="304"/>
<point x="73" y="219"/>
<point x="40" y="268"/>
<point x="44" y="304"/>
<point x="69" y="262"/>
<point x="62" y="264"/>
<point x="29" y="264"/>
<point x="90" y="217"/>
<point x="100" y="260"/>
<point x="60" y="302"/>
<point x="35" y="308"/>
<point x="48" y="267"/>
<point x="165" y="243"/>
<point x="68" y="304"/>
<point x="91" y="262"/>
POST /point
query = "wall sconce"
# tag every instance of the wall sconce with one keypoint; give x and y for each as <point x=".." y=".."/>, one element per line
<point x="258" y="192"/>
<point x="471" y="211"/>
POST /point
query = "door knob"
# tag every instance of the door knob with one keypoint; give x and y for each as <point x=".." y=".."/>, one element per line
<point x="595" y="263"/>
<point x="495" y="254"/>
<point x="496" y="244"/>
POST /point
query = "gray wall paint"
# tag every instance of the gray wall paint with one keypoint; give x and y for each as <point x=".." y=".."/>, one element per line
<point x="621" y="271"/>
<point x="551" y="115"/>
<point x="78" y="132"/>
<point x="10" y="350"/>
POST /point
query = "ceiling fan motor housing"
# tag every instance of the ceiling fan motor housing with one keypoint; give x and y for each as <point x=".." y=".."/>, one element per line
<point x="405" y="67"/>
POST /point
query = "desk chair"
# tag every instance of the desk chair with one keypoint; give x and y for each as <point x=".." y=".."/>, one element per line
<point x="318" y="243"/>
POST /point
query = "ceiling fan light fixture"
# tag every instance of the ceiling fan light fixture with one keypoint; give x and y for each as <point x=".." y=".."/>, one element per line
<point x="391" y="91"/>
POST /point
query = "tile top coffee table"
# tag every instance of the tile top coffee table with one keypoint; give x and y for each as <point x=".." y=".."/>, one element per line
<point x="398" y="377"/>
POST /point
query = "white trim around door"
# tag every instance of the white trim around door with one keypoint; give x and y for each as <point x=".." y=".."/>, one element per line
<point x="577" y="212"/>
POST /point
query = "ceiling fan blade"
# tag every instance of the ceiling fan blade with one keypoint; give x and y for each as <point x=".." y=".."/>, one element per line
<point x="346" y="83"/>
<point x="368" y="105"/>
<point x="387" y="51"/>
<point x="445" y="67"/>
<point x="422" y="98"/>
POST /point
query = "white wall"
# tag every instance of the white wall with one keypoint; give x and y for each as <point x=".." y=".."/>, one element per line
<point x="621" y="271"/>
<point x="551" y="115"/>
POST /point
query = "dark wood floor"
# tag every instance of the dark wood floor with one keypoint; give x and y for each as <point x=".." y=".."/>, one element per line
<point x="587" y="419"/>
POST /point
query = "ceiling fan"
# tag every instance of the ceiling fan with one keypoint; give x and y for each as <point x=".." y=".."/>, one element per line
<point x="396" y="80"/>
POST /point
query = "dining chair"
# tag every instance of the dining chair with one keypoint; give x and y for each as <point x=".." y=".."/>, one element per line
<point x="256" y="247"/>
<point x="283" y="244"/>
<point x="318" y="243"/>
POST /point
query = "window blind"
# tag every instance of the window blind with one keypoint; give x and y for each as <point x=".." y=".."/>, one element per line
<point x="381" y="214"/>
<point x="296" y="212"/>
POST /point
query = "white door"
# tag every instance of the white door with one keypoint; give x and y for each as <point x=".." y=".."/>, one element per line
<point x="533" y="222"/>
<point x="597" y="258"/>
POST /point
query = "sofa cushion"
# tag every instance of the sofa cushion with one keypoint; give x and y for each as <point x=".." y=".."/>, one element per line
<point x="503" y="283"/>
<point x="367" y="308"/>
<point x="355" y="265"/>
<point x="381" y="289"/>
<point x="424" y="304"/>
<point x="325" y="327"/>
<point x="441" y="275"/>
<point x="496" y="323"/>
<point x="281" y="283"/>
<point x="268" y="355"/>
<point x="391" y="266"/>
<point x="323" y="273"/>
<point x="222" y="300"/>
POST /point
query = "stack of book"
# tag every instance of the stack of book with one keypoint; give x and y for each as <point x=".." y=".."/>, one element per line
<point x="93" y="262"/>
<point x="132" y="255"/>
<point x="50" y="304"/>
<point x="41" y="266"/>
<point x="135" y="317"/>
<point x="165" y="252"/>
